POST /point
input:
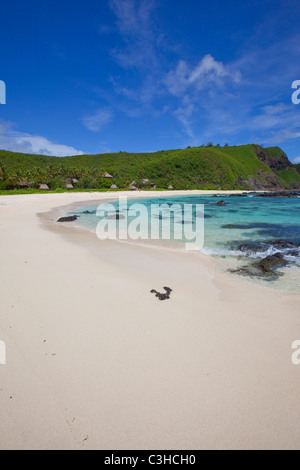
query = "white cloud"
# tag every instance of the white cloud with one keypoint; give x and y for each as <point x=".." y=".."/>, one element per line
<point x="136" y="26"/>
<point x="141" y="49"/>
<point x="184" y="115"/>
<point x="272" y="116"/>
<point x="198" y="91"/>
<point x="97" y="121"/>
<point x="127" y="14"/>
<point x="240" y="100"/>
<point x="282" y="135"/>
<point x="296" y="160"/>
<point x="22" y="142"/>
<point x="280" y="120"/>
<point x="207" y="73"/>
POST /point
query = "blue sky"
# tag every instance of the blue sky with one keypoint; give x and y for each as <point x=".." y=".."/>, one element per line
<point x="145" y="75"/>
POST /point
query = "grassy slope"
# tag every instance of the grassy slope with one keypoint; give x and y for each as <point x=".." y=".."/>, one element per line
<point x="194" y="168"/>
<point x="288" y="176"/>
<point x="273" y="152"/>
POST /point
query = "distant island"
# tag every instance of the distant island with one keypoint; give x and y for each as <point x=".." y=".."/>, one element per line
<point x="246" y="167"/>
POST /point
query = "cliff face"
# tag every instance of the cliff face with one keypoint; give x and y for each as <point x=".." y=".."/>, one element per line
<point x="275" y="158"/>
<point x="283" y="174"/>
<point x="263" y="181"/>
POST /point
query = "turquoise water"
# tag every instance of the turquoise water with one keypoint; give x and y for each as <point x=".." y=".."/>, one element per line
<point x="257" y="223"/>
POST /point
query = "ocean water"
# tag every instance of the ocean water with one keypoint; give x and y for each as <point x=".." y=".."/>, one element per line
<point x="240" y="234"/>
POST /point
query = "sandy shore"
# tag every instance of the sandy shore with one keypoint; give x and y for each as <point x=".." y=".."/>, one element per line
<point x="94" y="361"/>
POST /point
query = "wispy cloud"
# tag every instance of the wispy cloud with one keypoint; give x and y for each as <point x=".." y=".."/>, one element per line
<point x="15" y="141"/>
<point x="134" y="21"/>
<point x="141" y="51"/>
<point x="184" y="115"/>
<point x="246" y="100"/>
<point x="207" y="73"/>
<point x="296" y="160"/>
<point x="97" y="121"/>
<point x="242" y="99"/>
<point x="195" y="87"/>
<point x="280" y="120"/>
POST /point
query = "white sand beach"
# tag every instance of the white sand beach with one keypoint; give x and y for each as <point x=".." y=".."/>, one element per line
<point x="95" y="361"/>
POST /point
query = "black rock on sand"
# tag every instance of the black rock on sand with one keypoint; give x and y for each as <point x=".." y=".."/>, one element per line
<point x="165" y="296"/>
<point x="71" y="218"/>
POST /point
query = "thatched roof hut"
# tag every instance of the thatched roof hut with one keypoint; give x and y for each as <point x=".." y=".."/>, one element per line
<point x="114" y="186"/>
<point x="74" y="180"/>
<point x="69" y="186"/>
<point x="106" y="175"/>
<point x="44" y="187"/>
<point x="170" y="187"/>
<point x="132" y="186"/>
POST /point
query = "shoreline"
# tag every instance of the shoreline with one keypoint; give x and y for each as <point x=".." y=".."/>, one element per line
<point x="225" y="265"/>
<point x="95" y="361"/>
<point x="61" y="211"/>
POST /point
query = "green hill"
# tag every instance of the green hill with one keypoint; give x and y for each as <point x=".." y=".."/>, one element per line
<point x="240" y="167"/>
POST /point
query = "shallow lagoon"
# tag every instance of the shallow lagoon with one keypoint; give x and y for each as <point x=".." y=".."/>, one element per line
<point x="249" y="220"/>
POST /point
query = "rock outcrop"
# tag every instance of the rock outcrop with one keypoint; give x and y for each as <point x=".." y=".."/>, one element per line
<point x="276" y="163"/>
<point x="71" y="218"/>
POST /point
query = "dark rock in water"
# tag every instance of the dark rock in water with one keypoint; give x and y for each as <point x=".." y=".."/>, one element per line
<point x="288" y="248"/>
<point x="253" y="271"/>
<point x="270" y="263"/>
<point x="71" y="218"/>
<point x="221" y="203"/>
<point x="232" y="226"/>
<point x="251" y="226"/>
<point x="286" y="194"/>
<point x="265" y="269"/>
<point x="293" y="253"/>
<point x="284" y="244"/>
<point x="253" y="247"/>
<point x="87" y="212"/>
<point x="165" y="296"/>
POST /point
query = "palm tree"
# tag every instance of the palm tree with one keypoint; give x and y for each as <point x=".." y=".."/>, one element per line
<point x="2" y="172"/>
<point x="14" y="179"/>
